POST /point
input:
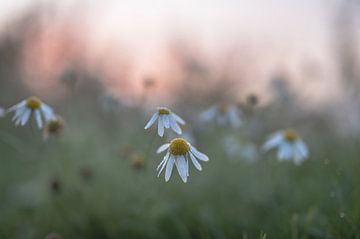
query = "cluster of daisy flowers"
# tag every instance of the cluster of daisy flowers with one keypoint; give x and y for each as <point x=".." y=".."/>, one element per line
<point x="288" y="142"/>
<point x="34" y="108"/>
<point x="179" y="151"/>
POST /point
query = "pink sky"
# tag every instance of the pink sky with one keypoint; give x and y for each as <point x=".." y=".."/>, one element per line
<point x="282" y="34"/>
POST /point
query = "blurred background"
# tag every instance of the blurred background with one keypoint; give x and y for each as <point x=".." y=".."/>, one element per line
<point x="104" y="67"/>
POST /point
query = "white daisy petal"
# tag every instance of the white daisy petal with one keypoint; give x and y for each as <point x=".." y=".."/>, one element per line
<point x="174" y="125"/>
<point x="166" y="121"/>
<point x="198" y="154"/>
<point x="285" y="151"/>
<point x="38" y="119"/>
<point x="160" y="127"/>
<point x="195" y="162"/>
<point x="48" y="113"/>
<point x="208" y="114"/>
<point x="25" y="117"/>
<point x="302" y="148"/>
<point x="163" y="163"/>
<point x="178" y="118"/>
<point x="17" y="106"/>
<point x="169" y="167"/>
<point x="19" y="112"/>
<point x="181" y="166"/>
<point x="273" y="141"/>
<point x="152" y="120"/>
<point x="162" y="148"/>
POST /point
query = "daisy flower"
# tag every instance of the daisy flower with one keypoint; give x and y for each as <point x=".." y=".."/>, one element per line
<point x="289" y="144"/>
<point x="179" y="152"/>
<point x="166" y="119"/>
<point x="223" y="114"/>
<point x="32" y="106"/>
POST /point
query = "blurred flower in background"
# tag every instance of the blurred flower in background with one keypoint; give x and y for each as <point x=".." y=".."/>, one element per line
<point x="239" y="149"/>
<point x="53" y="127"/>
<point x="223" y="114"/>
<point x="289" y="144"/>
<point x="137" y="161"/>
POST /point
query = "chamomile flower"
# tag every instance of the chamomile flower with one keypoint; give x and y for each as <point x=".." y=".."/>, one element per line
<point x="289" y="144"/>
<point x="32" y="106"/>
<point x="166" y="119"/>
<point x="179" y="152"/>
<point x="223" y="114"/>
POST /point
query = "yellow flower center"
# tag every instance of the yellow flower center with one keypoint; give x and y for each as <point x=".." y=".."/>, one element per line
<point x="33" y="103"/>
<point x="179" y="146"/>
<point x="164" y="111"/>
<point x="290" y="135"/>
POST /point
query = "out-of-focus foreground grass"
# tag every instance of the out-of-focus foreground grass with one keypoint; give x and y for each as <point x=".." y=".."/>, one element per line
<point x="84" y="184"/>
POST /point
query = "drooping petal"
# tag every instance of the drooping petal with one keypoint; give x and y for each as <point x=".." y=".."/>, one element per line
<point x="160" y="126"/>
<point x="19" y="112"/>
<point x="162" y="148"/>
<point x="195" y="162"/>
<point x="174" y="125"/>
<point x="166" y="121"/>
<point x="152" y="120"/>
<point x="198" y="154"/>
<point x="38" y="119"/>
<point x="181" y="166"/>
<point x="169" y="167"/>
<point x="273" y="141"/>
<point x="302" y="148"/>
<point x="178" y="118"/>
<point x="162" y="164"/>
<point x="17" y="106"/>
<point x="25" y="117"/>
<point x="47" y="112"/>
<point x="285" y="151"/>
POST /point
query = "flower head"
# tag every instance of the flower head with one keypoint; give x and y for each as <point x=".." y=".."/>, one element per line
<point x="32" y="106"/>
<point x="290" y="146"/>
<point x="179" y="152"/>
<point x="54" y="127"/>
<point x="166" y="119"/>
<point x="223" y="114"/>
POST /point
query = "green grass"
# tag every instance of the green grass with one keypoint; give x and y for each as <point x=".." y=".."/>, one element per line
<point x="230" y="198"/>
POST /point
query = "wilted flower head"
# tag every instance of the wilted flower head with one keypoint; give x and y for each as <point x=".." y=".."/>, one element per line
<point x="137" y="161"/>
<point x="54" y="127"/>
<point x="166" y="120"/>
<point x="290" y="146"/>
<point x="223" y="114"/>
<point x="179" y="152"/>
<point x="32" y="106"/>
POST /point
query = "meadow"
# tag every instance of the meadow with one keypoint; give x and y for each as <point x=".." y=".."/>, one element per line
<point x="98" y="178"/>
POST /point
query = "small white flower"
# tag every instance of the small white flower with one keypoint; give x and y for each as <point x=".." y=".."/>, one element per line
<point x="179" y="153"/>
<point x="223" y="114"/>
<point x="290" y="146"/>
<point x="2" y="112"/>
<point x="32" y="106"/>
<point x="166" y="120"/>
